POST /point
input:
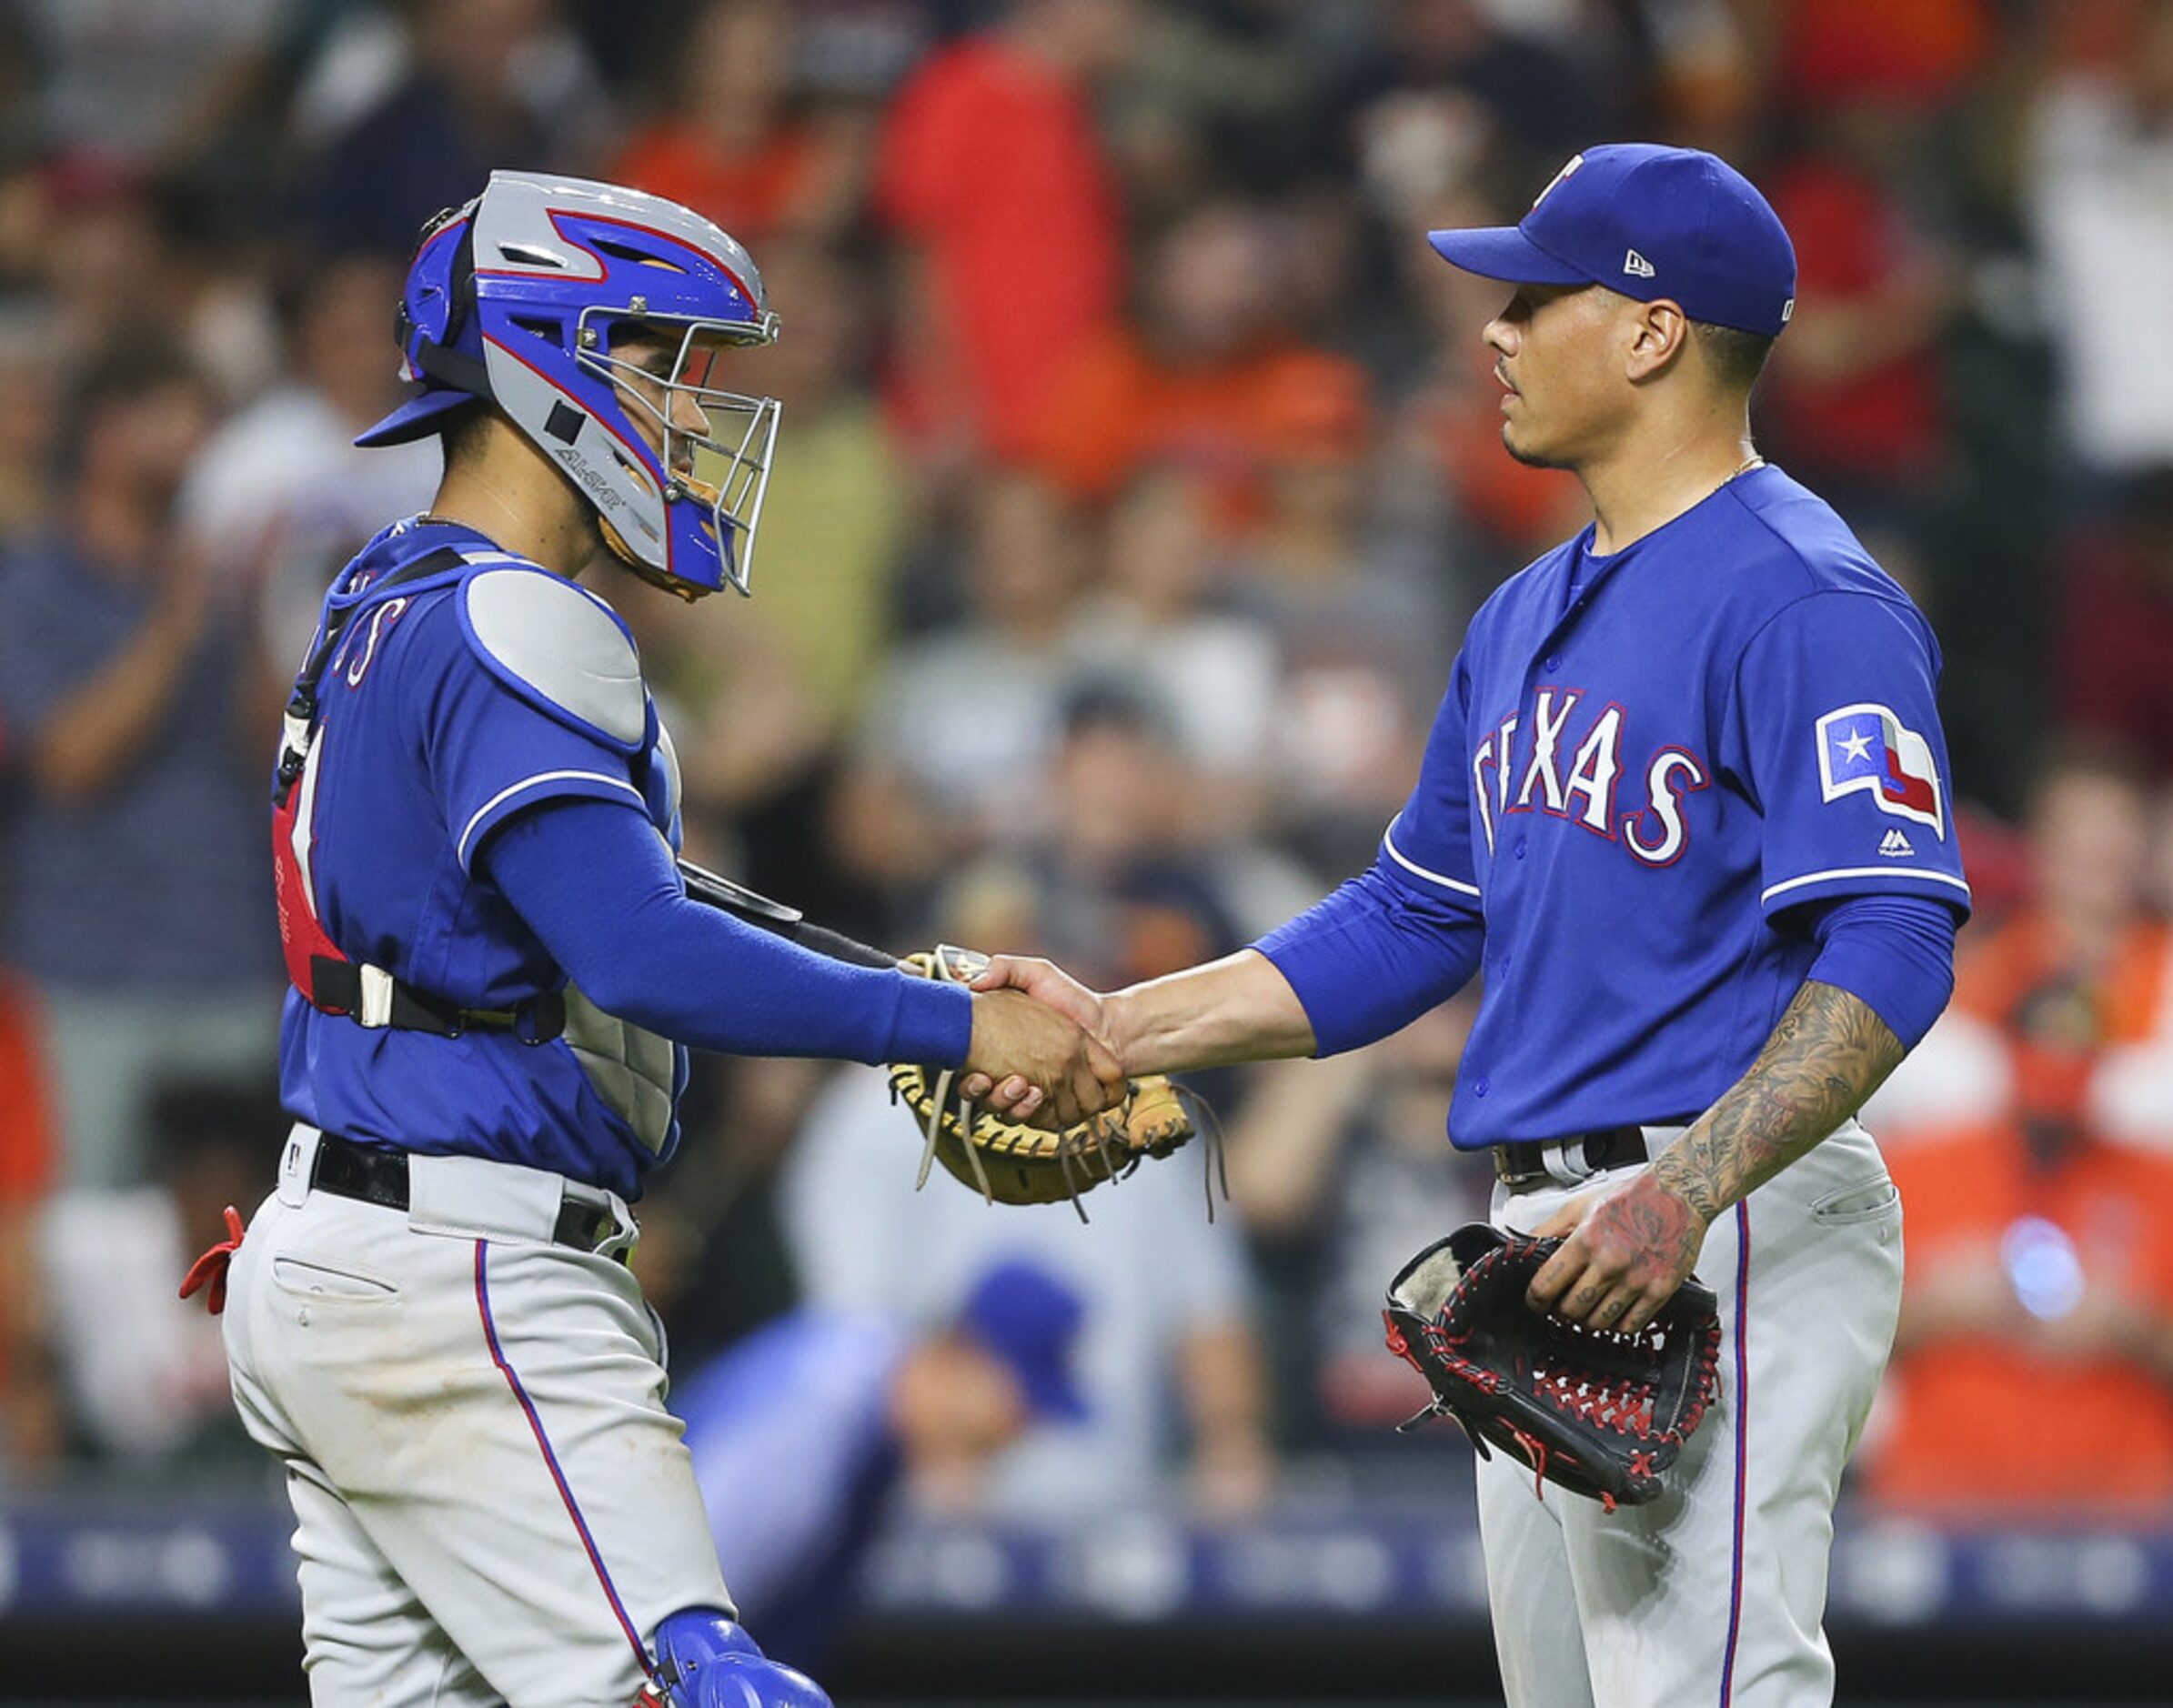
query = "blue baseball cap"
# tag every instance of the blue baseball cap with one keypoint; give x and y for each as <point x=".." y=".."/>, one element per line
<point x="1649" y="222"/>
<point x="1028" y="1321"/>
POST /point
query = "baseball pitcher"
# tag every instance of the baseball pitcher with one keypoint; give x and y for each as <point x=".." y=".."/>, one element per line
<point x="1685" y="809"/>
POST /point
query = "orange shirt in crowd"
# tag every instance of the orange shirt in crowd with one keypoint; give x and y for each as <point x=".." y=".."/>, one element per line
<point x="1971" y="1413"/>
<point x="1999" y="971"/>
<point x="1833" y="51"/>
<point x="990" y="163"/>
<point x="750" y="195"/>
<point x="1116" y="408"/>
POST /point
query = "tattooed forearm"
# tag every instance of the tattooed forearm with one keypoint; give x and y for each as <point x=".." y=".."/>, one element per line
<point x="1828" y="1053"/>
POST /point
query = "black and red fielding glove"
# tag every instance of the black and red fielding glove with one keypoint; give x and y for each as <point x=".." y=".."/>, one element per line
<point x="1602" y="1413"/>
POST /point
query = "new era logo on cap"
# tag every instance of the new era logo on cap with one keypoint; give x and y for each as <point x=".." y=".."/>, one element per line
<point x="1649" y="222"/>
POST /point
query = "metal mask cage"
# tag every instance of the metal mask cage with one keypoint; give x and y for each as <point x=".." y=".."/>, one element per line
<point x="726" y="474"/>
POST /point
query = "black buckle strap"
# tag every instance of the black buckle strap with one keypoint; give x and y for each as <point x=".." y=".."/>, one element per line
<point x="1521" y="1165"/>
<point x="377" y="1174"/>
<point x="338" y="985"/>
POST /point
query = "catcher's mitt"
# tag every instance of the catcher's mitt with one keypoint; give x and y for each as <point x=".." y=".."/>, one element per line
<point x="1009" y="1163"/>
<point x="1602" y="1413"/>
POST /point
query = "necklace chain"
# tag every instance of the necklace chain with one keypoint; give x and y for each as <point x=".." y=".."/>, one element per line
<point x="1743" y="468"/>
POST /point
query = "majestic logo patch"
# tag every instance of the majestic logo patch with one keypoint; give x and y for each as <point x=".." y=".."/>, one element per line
<point x="1895" y="844"/>
<point x="1634" y="262"/>
<point x="1865" y="746"/>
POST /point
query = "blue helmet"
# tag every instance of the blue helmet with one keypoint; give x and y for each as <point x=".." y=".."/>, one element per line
<point x="518" y="297"/>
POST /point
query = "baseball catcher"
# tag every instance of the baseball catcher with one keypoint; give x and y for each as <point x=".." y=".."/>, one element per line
<point x="496" y="974"/>
<point x="1603" y="1413"/>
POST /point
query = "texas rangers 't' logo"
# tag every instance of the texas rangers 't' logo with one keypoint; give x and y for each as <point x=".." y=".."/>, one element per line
<point x="1866" y="746"/>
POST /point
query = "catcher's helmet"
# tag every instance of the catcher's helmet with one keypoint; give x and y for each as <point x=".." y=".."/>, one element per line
<point x="518" y="298"/>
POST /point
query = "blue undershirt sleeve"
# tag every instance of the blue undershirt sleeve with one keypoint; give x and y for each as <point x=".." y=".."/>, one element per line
<point x="1894" y="954"/>
<point x="596" y="883"/>
<point x="1374" y="955"/>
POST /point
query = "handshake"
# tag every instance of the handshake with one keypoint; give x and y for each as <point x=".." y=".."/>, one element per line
<point x="1047" y="1104"/>
<point x="1041" y="1052"/>
<point x="1043" y="1108"/>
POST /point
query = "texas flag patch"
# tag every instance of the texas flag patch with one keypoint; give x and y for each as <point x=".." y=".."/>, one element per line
<point x="1866" y="746"/>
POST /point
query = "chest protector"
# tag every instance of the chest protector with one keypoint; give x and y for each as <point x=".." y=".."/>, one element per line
<point x="333" y="981"/>
<point x="562" y="650"/>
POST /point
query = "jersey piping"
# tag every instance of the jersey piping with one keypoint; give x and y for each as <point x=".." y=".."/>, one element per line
<point x="506" y="794"/>
<point x="1388" y="841"/>
<point x="1862" y="871"/>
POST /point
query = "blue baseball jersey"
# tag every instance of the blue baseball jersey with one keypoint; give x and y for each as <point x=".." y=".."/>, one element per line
<point x="1644" y="763"/>
<point x="428" y="741"/>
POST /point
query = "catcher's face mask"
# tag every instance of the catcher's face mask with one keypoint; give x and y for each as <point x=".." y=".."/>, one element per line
<point x="714" y="443"/>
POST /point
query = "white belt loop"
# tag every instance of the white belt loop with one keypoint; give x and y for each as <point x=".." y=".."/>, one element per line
<point x="1564" y="1160"/>
<point x="1658" y="1139"/>
<point x="297" y="1163"/>
<point x="625" y="1232"/>
<point x="376" y="1010"/>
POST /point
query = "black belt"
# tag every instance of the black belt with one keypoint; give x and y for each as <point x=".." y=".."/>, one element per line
<point x="1521" y="1166"/>
<point x="377" y="1175"/>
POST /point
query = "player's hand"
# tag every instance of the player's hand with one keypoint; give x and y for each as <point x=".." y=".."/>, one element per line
<point x="1033" y="1063"/>
<point x="1624" y="1254"/>
<point x="1053" y="988"/>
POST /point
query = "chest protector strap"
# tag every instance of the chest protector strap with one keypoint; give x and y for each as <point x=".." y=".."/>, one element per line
<point x="328" y="978"/>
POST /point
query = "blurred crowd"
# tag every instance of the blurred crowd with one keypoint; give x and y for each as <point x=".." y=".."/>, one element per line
<point x="1138" y="473"/>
